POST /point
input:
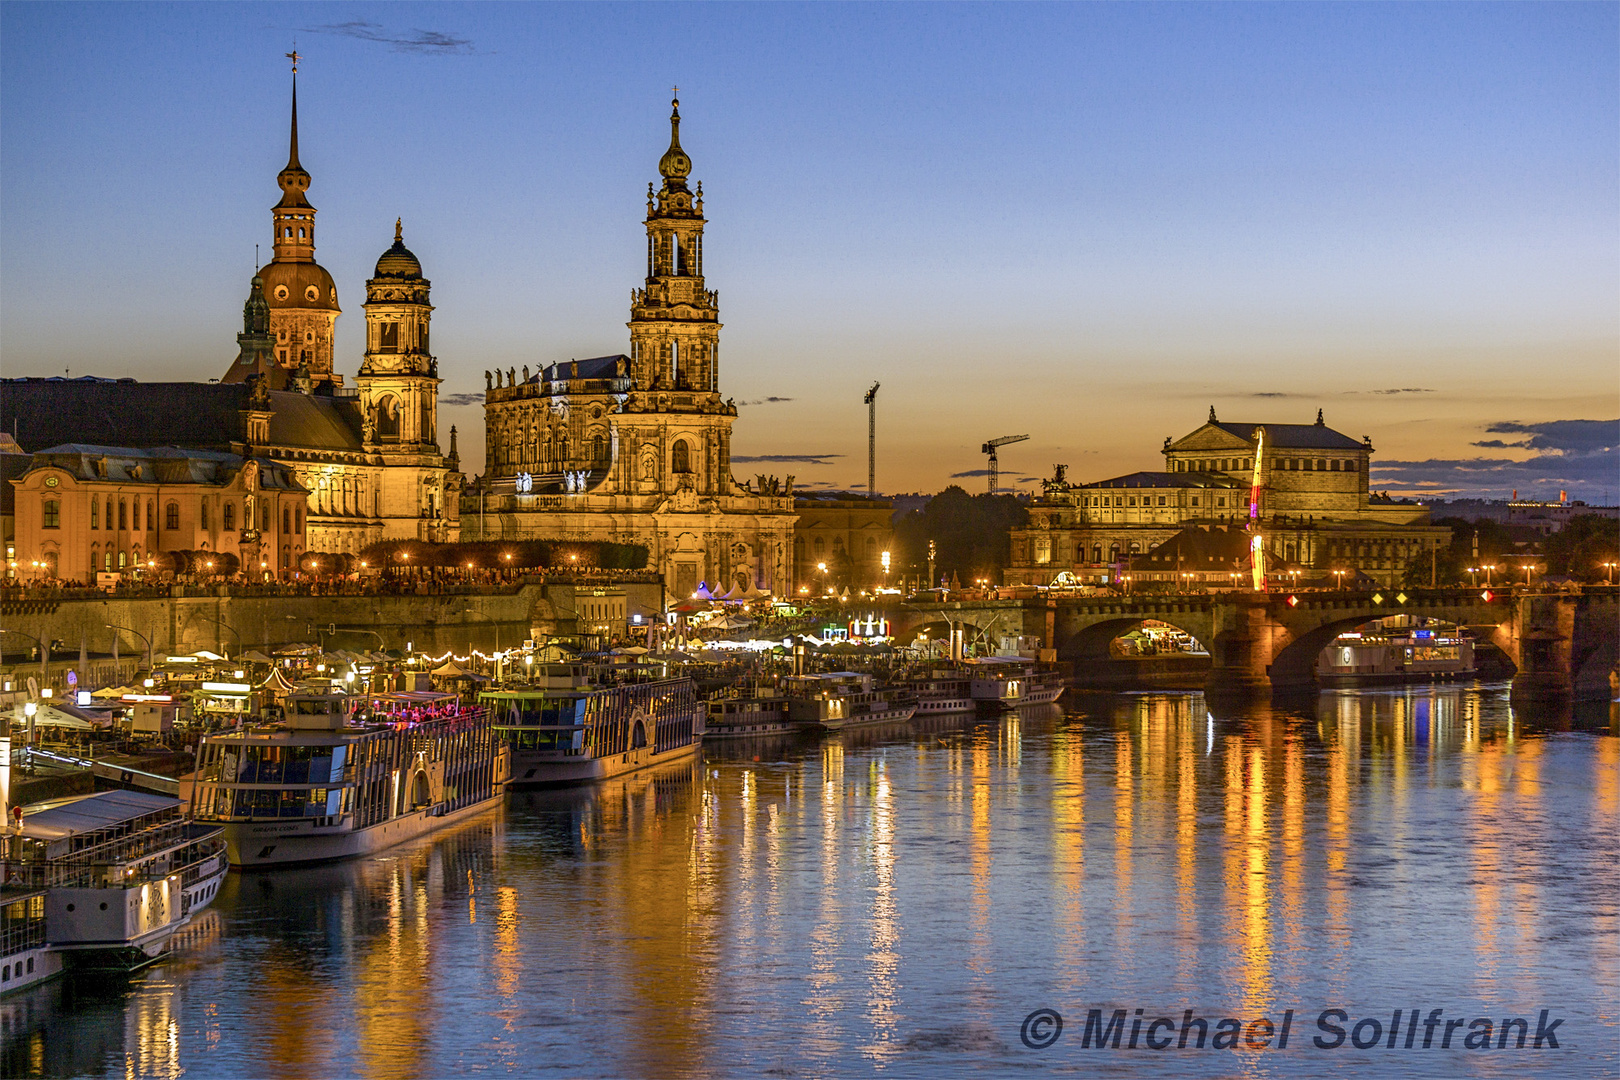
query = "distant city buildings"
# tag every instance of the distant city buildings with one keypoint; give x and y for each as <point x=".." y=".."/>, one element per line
<point x="1317" y="512"/>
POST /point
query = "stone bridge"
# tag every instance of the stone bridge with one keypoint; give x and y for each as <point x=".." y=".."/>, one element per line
<point x="1563" y="644"/>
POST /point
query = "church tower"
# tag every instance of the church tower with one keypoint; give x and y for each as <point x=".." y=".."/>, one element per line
<point x="302" y="296"/>
<point x="674" y="320"/>
<point x="399" y="380"/>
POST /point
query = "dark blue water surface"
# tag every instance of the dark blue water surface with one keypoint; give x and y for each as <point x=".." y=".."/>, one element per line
<point x="898" y="901"/>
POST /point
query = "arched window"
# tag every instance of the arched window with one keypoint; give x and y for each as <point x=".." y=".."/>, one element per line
<point x="151" y="521"/>
<point x="680" y="458"/>
<point x="388" y="417"/>
<point x="95" y="557"/>
<point x="1096" y="553"/>
<point x="597" y="449"/>
<point x="123" y="515"/>
<point x="204" y="517"/>
<point x="286" y="556"/>
<point x="53" y="514"/>
<point x="123" y="559"/>
<point x="95" y="513"/>
<point x="106" y="560"/>
<point x="228" y="516"/>
<point x="171" y="516"/>
<point x="286" y="521"/>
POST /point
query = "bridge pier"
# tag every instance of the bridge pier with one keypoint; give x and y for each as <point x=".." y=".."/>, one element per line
<point x="1540" y="638"/>
<point x="1240" y="652"/>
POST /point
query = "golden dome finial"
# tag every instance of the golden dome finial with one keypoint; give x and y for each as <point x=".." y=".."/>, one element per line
<point x="675" y="165"/>
<point x="399" y="230"/>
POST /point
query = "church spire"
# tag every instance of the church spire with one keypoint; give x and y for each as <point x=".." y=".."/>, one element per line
<point x="675" y="166"/>
<point x="294" y="216"/>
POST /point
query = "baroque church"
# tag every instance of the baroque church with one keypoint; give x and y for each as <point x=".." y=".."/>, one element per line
<point x="636" y="448"/>
<point x="368" y="455"/>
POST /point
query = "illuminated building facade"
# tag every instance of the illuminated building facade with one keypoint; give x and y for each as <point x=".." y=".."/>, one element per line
<point x="1318" y="514"/>
<point x="368" y="455"/>
<point x="83" y="510"/>
<point x="636" y="448"/>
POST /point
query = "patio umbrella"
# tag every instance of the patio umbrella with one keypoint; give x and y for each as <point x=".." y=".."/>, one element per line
<point x="254" y="656"/>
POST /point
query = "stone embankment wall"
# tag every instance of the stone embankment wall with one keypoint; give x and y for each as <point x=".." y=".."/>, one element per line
<point x="179" y="625"/>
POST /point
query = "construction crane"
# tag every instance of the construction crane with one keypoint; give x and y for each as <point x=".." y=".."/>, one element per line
<point x="1257" y="542"/>
<point x="990" y="448"/>
<point x="871" y="442"/>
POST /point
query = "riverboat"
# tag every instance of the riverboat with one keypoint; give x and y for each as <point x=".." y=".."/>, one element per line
<point x="1405" y="655"/>
<point x="346" y="775"/>
<point x="1007" y="682"/>
<point x="100" y="882"/>
<point x="569" y="726"/>
<point x="747" y="710"/>
<point x="841" y="699"/>
<point x="939" y="690"/>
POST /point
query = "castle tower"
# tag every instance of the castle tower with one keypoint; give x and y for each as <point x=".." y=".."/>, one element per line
<point x="301" y="294"/>
<point x="399" y="380"/>
<point x="674" y="320"/>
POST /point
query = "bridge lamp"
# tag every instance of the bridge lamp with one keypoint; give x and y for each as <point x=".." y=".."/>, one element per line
<point x="1610" y="566"/>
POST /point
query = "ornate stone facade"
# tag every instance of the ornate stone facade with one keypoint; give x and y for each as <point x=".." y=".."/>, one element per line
<point x="1318" y="513"/>
<point x="367" y="455"/>
<point x="636" y="448"/>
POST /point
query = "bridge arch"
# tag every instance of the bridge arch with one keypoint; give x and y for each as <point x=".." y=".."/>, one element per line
<point x="1090" y="643"/>
<point x="1294" y="665"/>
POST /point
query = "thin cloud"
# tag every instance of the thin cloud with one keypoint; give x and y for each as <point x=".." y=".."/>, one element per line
<point x="970" y="472"/>
<point x="765" y="401"/>
<point x="461" y="399"/>
<point x="1397" y="390"/>
<point x="431" y="42"/>
<point x="1272" y="393"/>
<point x="802" y="459"/>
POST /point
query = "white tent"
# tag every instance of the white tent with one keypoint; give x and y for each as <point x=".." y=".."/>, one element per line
<point x="47" y="716"/>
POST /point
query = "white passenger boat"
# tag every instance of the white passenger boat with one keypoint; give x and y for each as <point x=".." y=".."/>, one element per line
<point x="940" y="690"/>
<point x="1006" y="682"/>
<point x="748" y="709"/>
<point x="347" y="775"/>
<point x="100" y="881"/>
<point x="840" y="699"/>
<point x="566" y="727"/>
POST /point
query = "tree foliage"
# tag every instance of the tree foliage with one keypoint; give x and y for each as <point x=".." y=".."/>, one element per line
<point x="508" y="555"/>
<point x="1583" y="545"/>
<point x="970" y="534"/>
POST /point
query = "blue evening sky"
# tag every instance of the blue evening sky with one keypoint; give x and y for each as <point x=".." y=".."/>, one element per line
<point x="1087" y="223"/>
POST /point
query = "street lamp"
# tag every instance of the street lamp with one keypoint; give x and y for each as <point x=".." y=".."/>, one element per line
<point x="140" y="635"/>
<point x="1488" y="567"/>
<point x="1338" y="579"/>
<point x="1610" y="566"/>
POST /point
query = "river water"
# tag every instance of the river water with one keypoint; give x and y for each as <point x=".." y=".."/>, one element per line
<point x="899" y="901"/>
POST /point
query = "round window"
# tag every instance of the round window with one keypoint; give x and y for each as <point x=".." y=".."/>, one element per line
<point x="281" y="292"/>
<point x="312" y="293"/>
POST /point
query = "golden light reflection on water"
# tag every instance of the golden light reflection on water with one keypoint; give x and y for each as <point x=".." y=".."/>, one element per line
<point x="831" y="902"/>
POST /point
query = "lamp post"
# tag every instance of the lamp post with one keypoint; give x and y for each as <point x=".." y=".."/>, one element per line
<point x="1338" y="580"/>
<point x="226" y="626"/>
<point x="1610" y="566"/>
<point x="45" y="652"/>
<point x="1473" y="576"/>
<point x="1488" y="567"/>
<point x="140" y="635"/>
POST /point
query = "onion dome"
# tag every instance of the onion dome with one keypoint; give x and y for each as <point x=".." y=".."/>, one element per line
<point x="675" y="165"/>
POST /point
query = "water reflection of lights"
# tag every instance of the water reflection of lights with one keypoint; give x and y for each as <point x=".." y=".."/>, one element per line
<point x="883" y="956"/>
